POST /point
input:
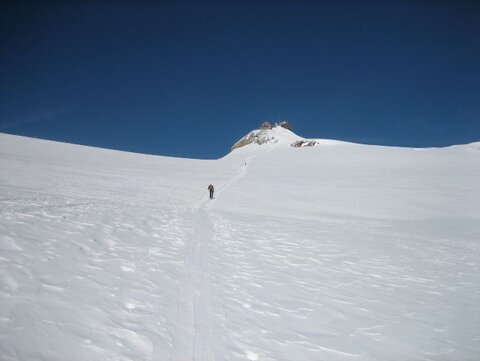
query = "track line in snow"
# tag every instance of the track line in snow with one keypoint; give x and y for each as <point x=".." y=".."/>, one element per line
<point x="242" y="172"/>
<point x="203" y="283"/>
<point x="193" y="337"/>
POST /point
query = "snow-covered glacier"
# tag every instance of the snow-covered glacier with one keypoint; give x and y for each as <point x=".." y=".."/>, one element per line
<point x="336" y="251"/>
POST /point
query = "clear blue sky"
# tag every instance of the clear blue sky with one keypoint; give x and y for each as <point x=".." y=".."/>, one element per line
<point x="188" y="79"/>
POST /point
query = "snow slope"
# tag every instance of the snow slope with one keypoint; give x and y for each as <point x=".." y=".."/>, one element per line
<point x="334" y="252"/>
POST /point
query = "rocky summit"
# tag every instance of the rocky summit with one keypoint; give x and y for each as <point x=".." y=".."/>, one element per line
<point x="271" y="134"/>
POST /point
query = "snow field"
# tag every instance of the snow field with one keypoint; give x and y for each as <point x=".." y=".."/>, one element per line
<point x="337" y="252"/>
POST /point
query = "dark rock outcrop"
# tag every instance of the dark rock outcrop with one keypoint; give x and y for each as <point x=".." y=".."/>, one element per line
<point x="304" y="143"/>
<point x="286" y="125"/>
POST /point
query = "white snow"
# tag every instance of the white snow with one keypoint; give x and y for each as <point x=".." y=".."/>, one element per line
<point x="334" y="252"/>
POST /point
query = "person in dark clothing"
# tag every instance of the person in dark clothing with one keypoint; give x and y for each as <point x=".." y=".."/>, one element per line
<point x="211" y="189"/>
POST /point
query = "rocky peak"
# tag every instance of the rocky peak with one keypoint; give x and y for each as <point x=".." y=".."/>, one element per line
<point x="266" y="133"/>
<point x="257" y="136"/>
<point x="278" y="133"/>
<point x="285" y="124"/>
<point x="266" y="125"/>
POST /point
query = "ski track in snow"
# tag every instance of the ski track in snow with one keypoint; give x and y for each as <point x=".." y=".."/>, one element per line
<point x="241" y="173"/>
<point x="127" y="275"/>
<point x="195" y="309"/>
<point x="107" y="261"/>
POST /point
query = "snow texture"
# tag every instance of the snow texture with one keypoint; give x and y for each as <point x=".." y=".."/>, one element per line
<point x="334" y="252"/>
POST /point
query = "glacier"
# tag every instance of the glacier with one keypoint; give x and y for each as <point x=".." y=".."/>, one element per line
<point x="338" y="251"/>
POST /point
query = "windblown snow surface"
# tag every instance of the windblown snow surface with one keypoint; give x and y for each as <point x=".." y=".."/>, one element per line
<point x="335" y="252"/>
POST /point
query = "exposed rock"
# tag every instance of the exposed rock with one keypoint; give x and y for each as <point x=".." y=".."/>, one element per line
<point x="266" y="125"/>
<point x="257" y="137"/>
<point x="304" y="143"/>
<point x="265" y="134"/>
<point x="284" y="124"/>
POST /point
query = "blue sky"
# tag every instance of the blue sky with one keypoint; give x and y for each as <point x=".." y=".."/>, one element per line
<point x="188" y="79"/>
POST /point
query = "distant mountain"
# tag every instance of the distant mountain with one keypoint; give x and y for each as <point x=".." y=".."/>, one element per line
<point x="277" y="134"/>
<point x="267" y="135"/>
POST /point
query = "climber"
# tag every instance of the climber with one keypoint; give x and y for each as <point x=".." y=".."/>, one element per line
<point x="211" y="189"/>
